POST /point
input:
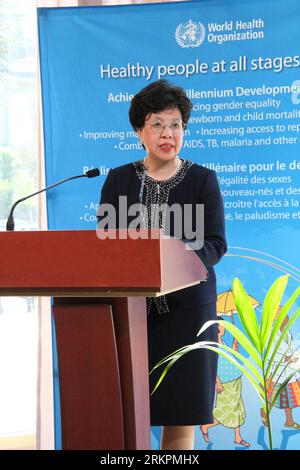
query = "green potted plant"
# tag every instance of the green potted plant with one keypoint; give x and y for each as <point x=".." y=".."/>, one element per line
<point x="260" y="340"/>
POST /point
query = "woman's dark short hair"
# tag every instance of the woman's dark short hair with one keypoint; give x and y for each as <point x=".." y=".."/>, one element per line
<point x="157" y="97"/>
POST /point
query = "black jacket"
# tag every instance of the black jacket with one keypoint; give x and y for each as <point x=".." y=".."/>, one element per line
<point x="199" y="186"/>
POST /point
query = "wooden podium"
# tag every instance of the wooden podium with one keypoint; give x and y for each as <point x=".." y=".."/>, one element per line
<point x="99" y="288"/>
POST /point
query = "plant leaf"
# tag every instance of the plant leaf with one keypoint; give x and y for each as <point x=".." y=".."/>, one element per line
<point x="216" y="348"/>
<point x="167" y="358"/>
<point x="282" y="386"/>
<point x="246" y="313"/>
<point x="166" y="369"/>
<point x="243" y="359"/>
<point x="256" y="386"/>
<point x="270" y="307"/>
<point x="271" y="378"/>
<point x="284" y="311"/>
<point x="281" y="338"/>
<point x="239" y="335"/>
<point x="172" y="358"/>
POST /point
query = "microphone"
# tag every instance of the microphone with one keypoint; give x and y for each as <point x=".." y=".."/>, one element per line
<point x="10" y="224"/>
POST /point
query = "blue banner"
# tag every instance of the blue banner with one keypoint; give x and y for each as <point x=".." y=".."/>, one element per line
<point x="240" y="64"/>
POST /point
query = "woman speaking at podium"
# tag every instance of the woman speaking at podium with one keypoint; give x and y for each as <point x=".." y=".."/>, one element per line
<point x="159" y="114"/>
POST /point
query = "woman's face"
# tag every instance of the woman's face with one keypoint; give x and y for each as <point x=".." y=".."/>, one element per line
<point x="162" y="134"/>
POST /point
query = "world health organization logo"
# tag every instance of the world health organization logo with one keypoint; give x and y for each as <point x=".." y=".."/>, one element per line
<point x="190" y="34"/>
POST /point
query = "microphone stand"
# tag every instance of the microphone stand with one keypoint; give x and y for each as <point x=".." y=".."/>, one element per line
<point x="10" y="224"/>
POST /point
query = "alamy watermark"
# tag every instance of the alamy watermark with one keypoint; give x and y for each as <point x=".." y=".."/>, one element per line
<point x="185" y="222"/>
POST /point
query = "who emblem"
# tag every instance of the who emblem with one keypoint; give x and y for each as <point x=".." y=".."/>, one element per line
<point x="190" y="34"/>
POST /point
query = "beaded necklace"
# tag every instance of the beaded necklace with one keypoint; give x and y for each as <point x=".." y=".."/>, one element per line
<point x="178" y="164"/>
<point x="157" y="194"/>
